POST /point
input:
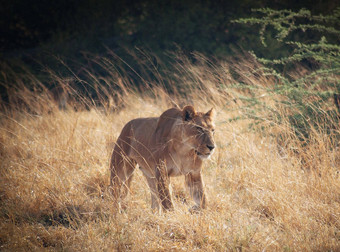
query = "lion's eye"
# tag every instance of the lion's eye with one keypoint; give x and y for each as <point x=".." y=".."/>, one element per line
<point x="199" y="129"/>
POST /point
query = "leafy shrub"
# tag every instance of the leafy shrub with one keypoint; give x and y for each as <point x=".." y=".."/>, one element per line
<point x="307" y="81"/>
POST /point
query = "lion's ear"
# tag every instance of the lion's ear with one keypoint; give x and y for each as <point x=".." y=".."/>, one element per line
<point x="188" y="113"/>
<point x="210" y="113"/>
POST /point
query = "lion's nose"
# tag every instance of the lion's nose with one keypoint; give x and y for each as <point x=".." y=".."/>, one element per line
<point x="210" y="147"/>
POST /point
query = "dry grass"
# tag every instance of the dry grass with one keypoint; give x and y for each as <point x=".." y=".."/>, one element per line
<point x="262" y="196"/>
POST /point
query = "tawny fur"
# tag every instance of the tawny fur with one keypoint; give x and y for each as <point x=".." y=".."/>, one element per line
<point x="176" y="143"/>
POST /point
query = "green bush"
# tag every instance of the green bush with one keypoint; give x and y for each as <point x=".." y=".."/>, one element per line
<point x="313" y="40"/>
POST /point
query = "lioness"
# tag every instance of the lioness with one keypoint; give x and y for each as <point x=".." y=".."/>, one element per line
<point x="176" y="143"/>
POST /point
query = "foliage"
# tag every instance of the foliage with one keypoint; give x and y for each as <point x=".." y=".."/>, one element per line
<point x="307" y="93"/>
<point x="56" y="143"/>
<point x="267" y="191"/>
<point x="202" y="26"/>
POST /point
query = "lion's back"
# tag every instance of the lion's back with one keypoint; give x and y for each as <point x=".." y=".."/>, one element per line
<point x="136" y="135"/>
<point x="143" y="128"/>
<point x="146" y="139"/>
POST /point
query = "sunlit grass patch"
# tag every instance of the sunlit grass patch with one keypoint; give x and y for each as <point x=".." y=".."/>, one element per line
<point x="266" y="189"/>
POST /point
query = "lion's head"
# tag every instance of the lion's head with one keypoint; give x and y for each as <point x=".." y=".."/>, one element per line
<point x="198" y="131"/>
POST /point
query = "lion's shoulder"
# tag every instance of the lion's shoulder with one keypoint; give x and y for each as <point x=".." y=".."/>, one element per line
<point x="166" y="122"/>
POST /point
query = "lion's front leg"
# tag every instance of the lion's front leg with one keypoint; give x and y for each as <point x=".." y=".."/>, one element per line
<point x="194" y="183"/>
<point x="163" y="188"/>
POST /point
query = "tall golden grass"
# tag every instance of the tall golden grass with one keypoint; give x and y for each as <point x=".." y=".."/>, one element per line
<point x="266" y="190"/>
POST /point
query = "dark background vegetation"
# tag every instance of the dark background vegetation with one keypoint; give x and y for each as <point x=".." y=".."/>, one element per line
<point x="46" y="34"/>
<point x="68" y="27"/>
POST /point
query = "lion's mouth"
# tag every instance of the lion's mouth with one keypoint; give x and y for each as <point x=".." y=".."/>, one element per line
<point x="201" y="155"/>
